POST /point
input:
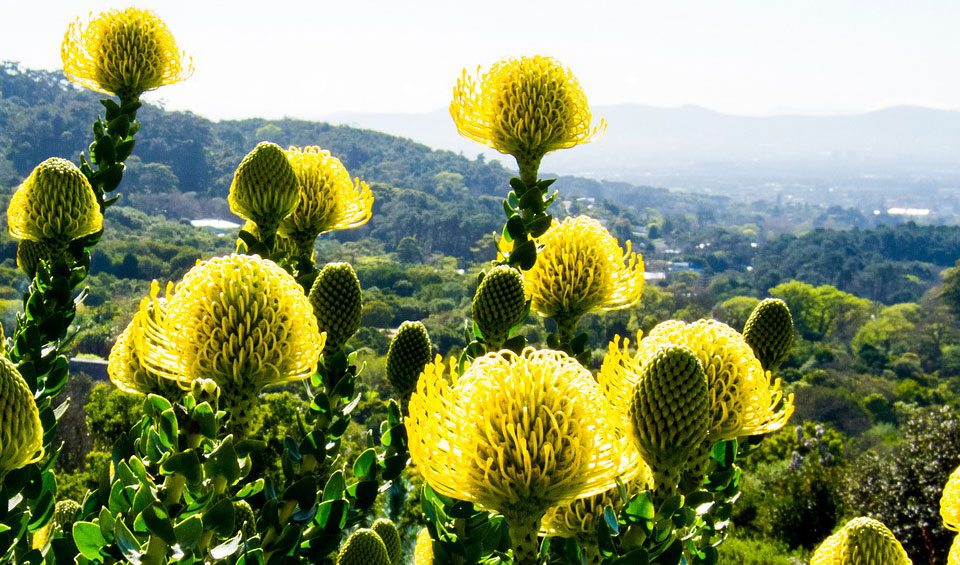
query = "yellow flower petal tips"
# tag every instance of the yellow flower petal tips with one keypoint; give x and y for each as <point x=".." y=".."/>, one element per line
<point x="329" y="198"/>
<point x="862" y="541"/>
<point x="950" y="502"/>
<point x="240" y="321"/>
<point x="123" y="52"/>
<point x="517" y="434"/>
<point x="21" y="433"/>
<point x="524" y="107"/>
<point x="54" y="206"/>
<point x="581" y="268"/>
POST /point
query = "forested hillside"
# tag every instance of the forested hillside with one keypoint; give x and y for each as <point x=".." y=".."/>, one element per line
<point x="875" y="367"/>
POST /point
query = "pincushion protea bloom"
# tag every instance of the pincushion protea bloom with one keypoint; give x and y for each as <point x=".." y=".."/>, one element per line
<point x="55" y="205"/>
<point x="21" y="433"/>
<point x="423" y="551"/>
<point x="29" y="255"/>
<point x="862" y="541"/>
<point x="769" y="331"/>
<point x="363" y="547"/>
<point x="517" y="434"/>
<point x="743" y="402"/>
<point x="950" y="502"/>
<point x="123" y="52"/>
<point x="581" y="268"/>
<point x="337" y="303"/>
<point x="954" y="557"/>
<point x="240" y="321"/>
<point x="581" y="518"/>
<point x="388" y="533"/>
<point x="264" y="188"/>
<point x="524" y="107"/>
<point x="499" y="304"/>
<point x="329" y="198"/>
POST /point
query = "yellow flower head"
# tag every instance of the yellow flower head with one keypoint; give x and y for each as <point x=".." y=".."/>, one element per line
<point x="950" y="502"/>
<point x="123" y="52"/>
<point x="952" y="559"/>
<point x="264" y="187"/>
<point x="423" y="551"/>
<point x="21" y="433"/>
<point x="742" y="400"/>
<point x="128" y="373"/>
<point x="581" y="268"/>
<point x="329" y="198"/>
<point x="55" y="205"/>
<point x="525" y="107"/>
<point x="240" y="321"/>
<point x="516" y="433"/>
<point x="581" y="518"/>
<point x="862" y="541"/>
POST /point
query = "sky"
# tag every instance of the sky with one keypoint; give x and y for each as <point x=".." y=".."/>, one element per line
<point x="310" y="59"/>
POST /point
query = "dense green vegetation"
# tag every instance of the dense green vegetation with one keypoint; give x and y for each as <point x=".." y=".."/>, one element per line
<point x="875" y="369"/>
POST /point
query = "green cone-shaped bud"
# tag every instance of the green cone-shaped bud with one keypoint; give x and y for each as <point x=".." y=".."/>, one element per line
<point x="30" y="253"/>
<point x="337" y="303"/>
<point x="264" y="187"/>
<point x="769" y="331"/>
<point x="56" y="205"/>
<point x="65" y="514"/>
<point x="862" y="541"/>
<point x="244" y="519"/>
<point x="499" y="304"/>
<point x="670" y="412"/>
<point x="363" y="547"/>
<point x="409" y="352"/>
<point x="21" y="433"/>
<point x="391" y="539"/>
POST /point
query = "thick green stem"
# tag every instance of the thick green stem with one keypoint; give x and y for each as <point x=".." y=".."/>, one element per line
<point x="529" y="165"/>
<point x="523" y="537"/>
<point x="566" y="328"/>
<point x="173" y="486"/>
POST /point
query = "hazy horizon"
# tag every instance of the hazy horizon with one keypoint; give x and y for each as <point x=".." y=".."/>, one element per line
<point x="308" y="60"/>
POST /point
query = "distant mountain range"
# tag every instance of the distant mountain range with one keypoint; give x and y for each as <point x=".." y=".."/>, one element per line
<point x="649" y="145"/>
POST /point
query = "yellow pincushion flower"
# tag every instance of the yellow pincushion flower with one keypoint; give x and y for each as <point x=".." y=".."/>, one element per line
<point x="55" y="205"/>
<point x="743" y="401"/>
<point x="21" y="432"/>
<point x="952" y="559"/>
<point x="329" y="198"/>
<point x="264" y="188"/>
<point x="524" y="107"/>
<point x="950" y="502"/>
<point x="581" y="518"/>
<point x="423" y="551"/>
<point x="581" y="268"/>
<point x="240" y="321"/>
<point x="123" y="52"/>
<point x="862" y="541"/>
<point x="517" y="434"/>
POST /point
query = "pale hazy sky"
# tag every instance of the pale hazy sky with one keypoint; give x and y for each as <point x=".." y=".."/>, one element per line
<point x="756" y="57"/>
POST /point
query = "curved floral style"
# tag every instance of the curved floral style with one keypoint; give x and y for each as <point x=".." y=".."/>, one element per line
<point x="123" y="52"/>
<point x="517" y="434"/>
<point x="329" y="198"/>
<point x="128" y="373"/>
<point x="524" y="107"/>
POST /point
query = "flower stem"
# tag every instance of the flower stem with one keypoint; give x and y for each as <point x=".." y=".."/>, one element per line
<point x="523" y="536"/>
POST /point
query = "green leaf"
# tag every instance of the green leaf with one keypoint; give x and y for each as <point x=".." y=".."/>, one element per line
<point x="220" y="518"/>
<point x="304" y="492"/>
<point x="331" y="515"/>
<point x="89" y="540"/>
<point x="515" y="228"/>
<point x="611" y="518"/>
<point x="670" y="506"/>
<point x="539" y="225"/>
<point x="188" y="532"/>
<point x="185" y="463"/>
<point x="127" y="543"/>
<point x="641" y="507"/>
<point x="104" y="151"/>
<point x="227" y="548"/>
<point x="251" y="489"/>
<point x="334" y="487"/>
<point x="524" y="255"/>
<point x="532" y="200"/>
<point x="158" y="523"/>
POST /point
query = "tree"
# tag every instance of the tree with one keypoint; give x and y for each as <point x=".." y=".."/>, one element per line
<point x="891" y="331"/>
<point x="735" y="311"/>
<point x="823" y="311"/>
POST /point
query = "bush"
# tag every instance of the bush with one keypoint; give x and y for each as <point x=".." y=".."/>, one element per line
<point x="903" y="489"/>
<point x="736" y="551"/>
